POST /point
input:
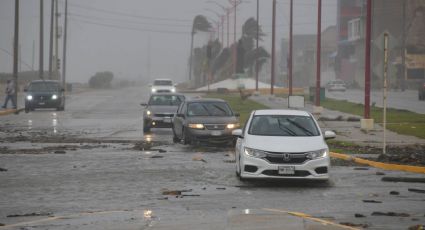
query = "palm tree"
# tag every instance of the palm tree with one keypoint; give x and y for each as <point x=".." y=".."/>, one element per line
<point x="200" y="23"/>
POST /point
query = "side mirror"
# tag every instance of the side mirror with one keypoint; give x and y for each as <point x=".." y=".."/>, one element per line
<point x="143" y="104"/>
<point x="237" y="115"/>
<point x="329" y="135"/>
<point x="180" y="115"/>
<point x="237" y="133"/>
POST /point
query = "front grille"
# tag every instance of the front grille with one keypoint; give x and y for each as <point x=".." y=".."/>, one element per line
<point x="215" y="126"/>
<point x="163" y="115"/>
<point x="163" y="91"/>
<point x="286" y="158"/>
<point x="298" y="173"/>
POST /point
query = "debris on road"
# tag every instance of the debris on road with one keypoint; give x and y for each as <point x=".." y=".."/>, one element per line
<point x="361" y="168"/>
<point x="221" y="188"/>
<point x="372" y="201"/>
<point x="416" y="190"/>
<point x="31" y="214"/>
<point x="157" y="156"/>
<point x="390" y="214"/>
<point x="174" y="192"/>
<point x="357" y="215"/>
<point x="404" y="179"/>
<point x="3" y="170"/>
<point x="354" y="225"/>
<point x="394" y="193"/>
<point x="380" y="174"/>
<point x="1" y="224"/>
<point x="59" y="152"/>
<point x="198" y="157"/>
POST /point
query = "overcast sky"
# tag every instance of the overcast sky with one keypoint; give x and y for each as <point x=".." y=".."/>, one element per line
<point x="120" y="36"/>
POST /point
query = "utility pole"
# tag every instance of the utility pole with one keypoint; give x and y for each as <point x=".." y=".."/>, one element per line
<point x="256" y="50"/>
<point x="56" y="41"/>
<point x="41" y="57"/>
<point x="15" y="52"/>
<point x="273" y="47"/>
<point x="367" y="59"/>
<point x="64" y="46"/>
<point x="234" y="39"/>
<point x="52" y="13"/>
<point x="228" y="25"/>
<point x="403" y="55"/>
<point x="318" y="52"/>
<point x="290" y="47"/>
<point x="222" y="31"/>
<point x="33" y="55"/>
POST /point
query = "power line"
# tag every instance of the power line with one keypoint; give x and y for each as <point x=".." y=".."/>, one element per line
<point x="126" y="14"/>
<point x="129" y="28"/>
<point x="27" y="65"/>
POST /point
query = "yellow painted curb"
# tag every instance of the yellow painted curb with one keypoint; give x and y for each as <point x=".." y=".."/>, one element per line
<point x="306" y="216"/>
<point x="386" y="166"/>
<point x="7" y="111"/>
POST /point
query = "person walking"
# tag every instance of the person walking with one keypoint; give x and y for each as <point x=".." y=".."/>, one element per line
<point x="10" y="94"/>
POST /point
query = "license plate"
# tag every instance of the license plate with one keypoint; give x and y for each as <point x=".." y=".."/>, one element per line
<point x="286" y="170"/>
<point x="215" y="133"/>
<point x="167" y="120"/>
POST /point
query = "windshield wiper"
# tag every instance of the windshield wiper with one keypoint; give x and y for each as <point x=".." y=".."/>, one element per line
<point x="206" y="109"/>
<point x="308" y="132"/>
<point x="221" y="109"/>
<point x="286" y="129"/>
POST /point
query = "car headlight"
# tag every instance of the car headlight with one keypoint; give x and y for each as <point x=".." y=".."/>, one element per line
<point x="54" y="96"/>
<point x="196" y="126"/>
<point x="29" y="97"/>
<point x="232" y="126"/>
<point x="173" y="90"/>
<point x="254" y="153"/>
<point x="153" y="90"/>
<point x="148" y="112"/>
<point x="317" y="154"/>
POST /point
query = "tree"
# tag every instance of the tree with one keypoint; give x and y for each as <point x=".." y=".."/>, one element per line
<point x="200" y="23"/>
<point x="101" y="80"/>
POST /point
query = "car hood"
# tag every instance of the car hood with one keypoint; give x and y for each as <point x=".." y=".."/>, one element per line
<point x="285" y="144"/>
<point x="212" y="120"/>
<point x="162" y="109"/>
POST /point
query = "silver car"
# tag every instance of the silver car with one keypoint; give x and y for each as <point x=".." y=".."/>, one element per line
<point x="160" y="110"/>
<point x="205" y="120"/>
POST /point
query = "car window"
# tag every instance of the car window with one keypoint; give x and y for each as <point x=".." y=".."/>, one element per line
<point x="283" y="125"/>
<point x="43" y="86"/>
<point x="166" y="100"/>
<point x="209" y="109"/>
<point x="163" y="82"/>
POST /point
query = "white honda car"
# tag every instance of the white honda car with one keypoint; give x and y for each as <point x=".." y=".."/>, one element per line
<point x="282" y="144"/>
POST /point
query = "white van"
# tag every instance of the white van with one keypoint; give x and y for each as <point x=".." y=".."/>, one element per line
<point x="163" y="86"/>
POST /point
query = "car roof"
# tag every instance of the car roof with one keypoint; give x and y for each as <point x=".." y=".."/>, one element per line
<point x="281" y="112"/>
<point x="205" y="100"/>
<point x="168" y="94"/>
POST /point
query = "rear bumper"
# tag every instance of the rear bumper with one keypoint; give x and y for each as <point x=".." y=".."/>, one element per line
<point x="159" y="122"/>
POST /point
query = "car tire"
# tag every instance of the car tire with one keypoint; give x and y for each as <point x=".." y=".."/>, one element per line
<point x="175" y="138"/>
<point x="27" y="109"/>
<point x="146" y="127"/>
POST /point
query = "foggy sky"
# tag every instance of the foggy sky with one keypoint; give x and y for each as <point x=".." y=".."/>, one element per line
<point x="115" y="35"/>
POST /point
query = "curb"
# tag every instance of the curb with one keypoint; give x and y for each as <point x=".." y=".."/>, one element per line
<point x="386" y="166"/>
<point x="7" y="111"/>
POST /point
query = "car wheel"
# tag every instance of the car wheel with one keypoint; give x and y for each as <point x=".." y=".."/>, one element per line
<point x="146" y="127"/>
<point x="186" y="139"/>
<point x="239" y="170"/>
<point x="27" y="109"/>
<point x="175" y="138"/>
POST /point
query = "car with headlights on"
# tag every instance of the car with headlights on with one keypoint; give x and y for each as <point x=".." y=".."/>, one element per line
<point x="160" y="110"/>
<point x="44" y="94"/>
<point x="282" y="144"/>
<point x="163" y="86"/>
<point x="205" y="120"/>
<point x="336" y="85"/>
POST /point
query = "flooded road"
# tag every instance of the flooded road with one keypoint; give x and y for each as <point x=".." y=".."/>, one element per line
<point x="89" y="168"/>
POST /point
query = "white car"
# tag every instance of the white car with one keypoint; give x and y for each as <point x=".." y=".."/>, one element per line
<point x="282" y="144"/>
<point x="163" y="86"/>
<point x="337" y="85"/>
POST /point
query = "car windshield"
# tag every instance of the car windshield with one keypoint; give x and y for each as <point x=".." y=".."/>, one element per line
<point x="163" y="82"/>
<point x="166" y="100"/>
<point x="283" y="125"/>
<point x="43" y="86"/>
<point x="209" y="109"/>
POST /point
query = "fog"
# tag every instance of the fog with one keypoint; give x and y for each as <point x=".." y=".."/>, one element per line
<point x="139" y="39"/>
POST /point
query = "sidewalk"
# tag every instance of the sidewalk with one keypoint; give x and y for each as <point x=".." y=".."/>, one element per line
<point x="346" y="130"/>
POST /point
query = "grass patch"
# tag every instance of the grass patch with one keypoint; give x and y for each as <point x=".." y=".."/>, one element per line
<point x="243" y="107"/>
<point x="399" y="121"/>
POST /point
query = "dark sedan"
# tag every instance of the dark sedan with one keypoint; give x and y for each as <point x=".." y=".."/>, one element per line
<point x="44" y="94"/>
<point x="160" y="110"/>
<point x="204" y="120"/>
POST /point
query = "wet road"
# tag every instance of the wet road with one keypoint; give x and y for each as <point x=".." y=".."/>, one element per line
<point x="94" y="175"/>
